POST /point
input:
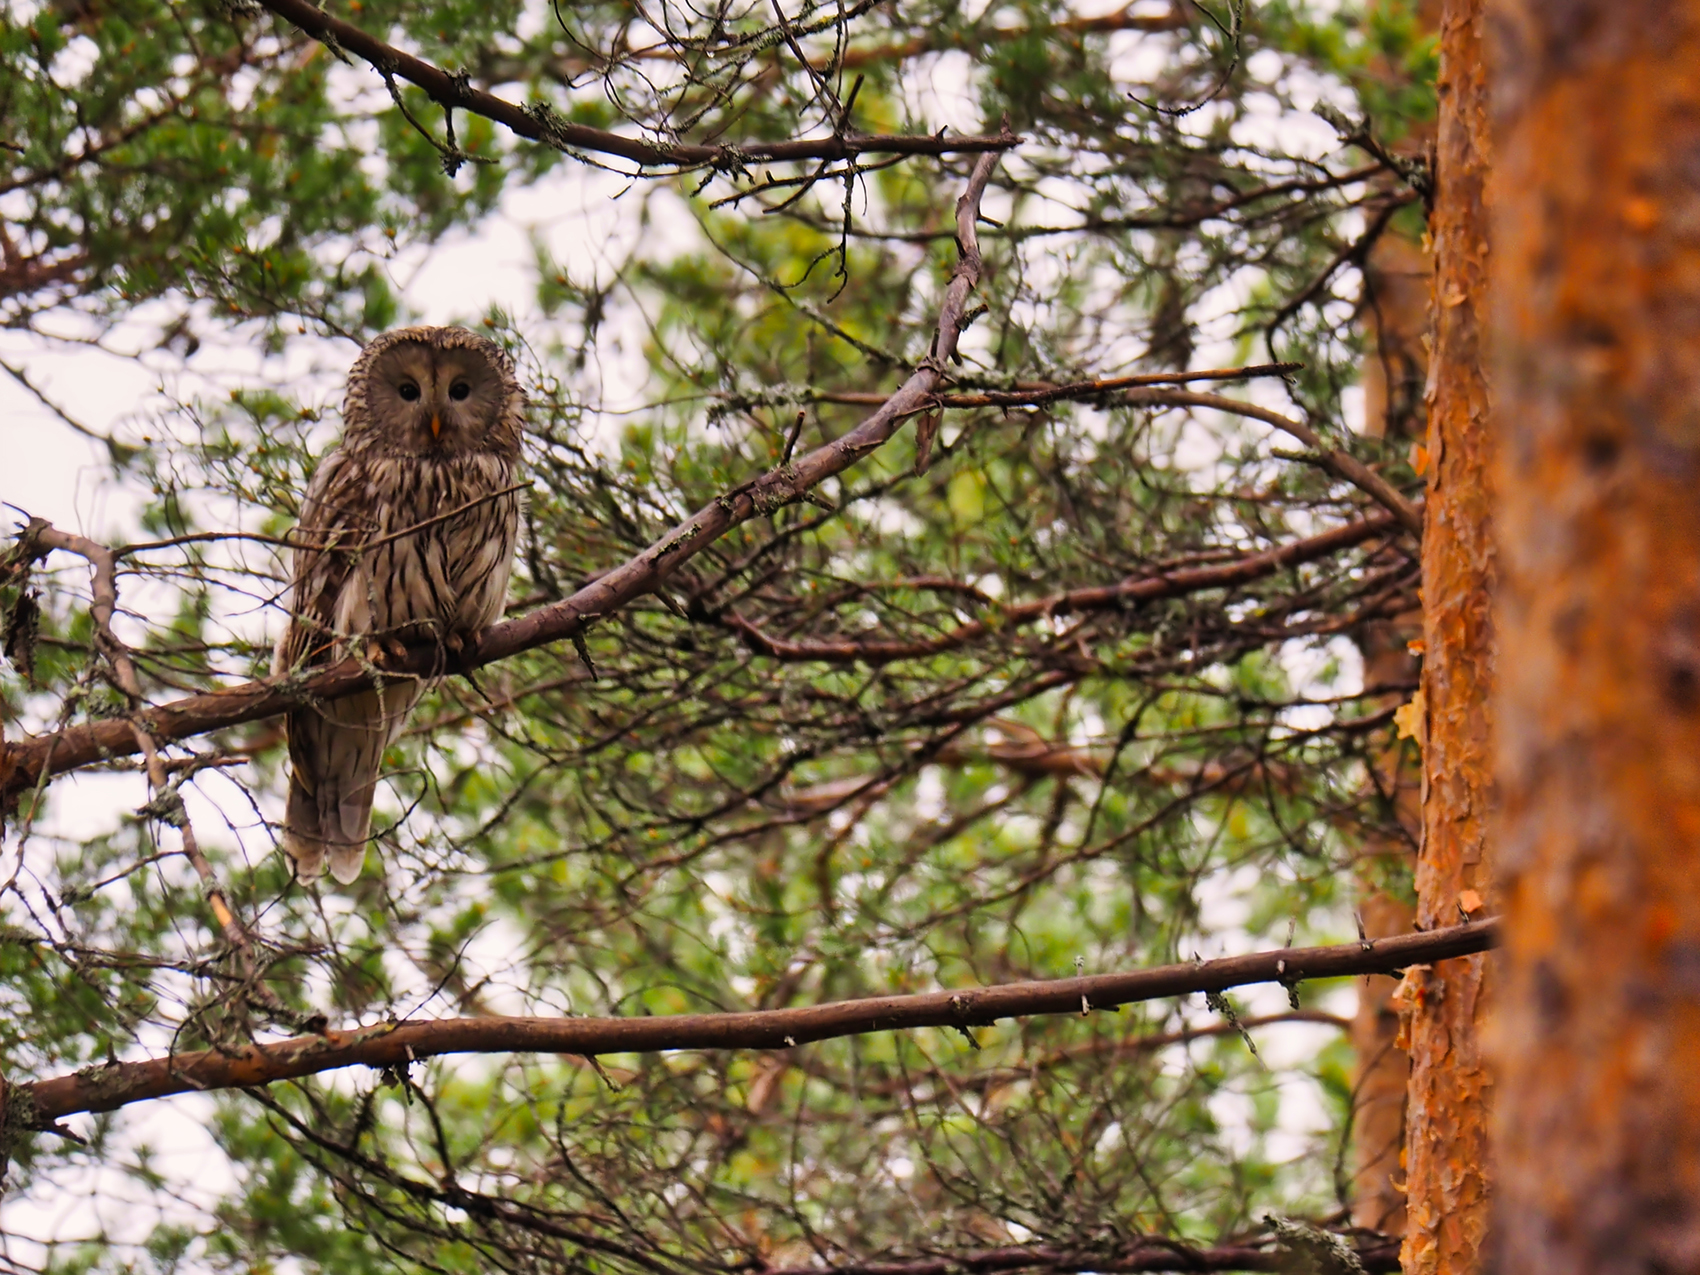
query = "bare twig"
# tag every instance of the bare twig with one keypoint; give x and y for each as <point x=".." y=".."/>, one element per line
<point x="166" y="803"/>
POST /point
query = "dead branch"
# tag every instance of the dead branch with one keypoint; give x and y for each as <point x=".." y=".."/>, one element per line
<point x="165" y="802"/>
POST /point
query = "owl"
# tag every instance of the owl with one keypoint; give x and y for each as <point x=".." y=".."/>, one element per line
<point x="407" y="535"/>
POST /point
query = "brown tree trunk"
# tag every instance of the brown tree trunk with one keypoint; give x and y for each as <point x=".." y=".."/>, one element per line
<point x="1448" y="1176"/>
<point x="1597" y="267"/>
<point x="1396" y="283"/>
<point x="1383" y="1070"/>
<point x="1397" y="276"/>
<point x="1396" y="288"/>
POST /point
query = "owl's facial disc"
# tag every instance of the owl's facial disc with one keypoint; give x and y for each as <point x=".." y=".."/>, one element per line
<point x="440" y="400"/>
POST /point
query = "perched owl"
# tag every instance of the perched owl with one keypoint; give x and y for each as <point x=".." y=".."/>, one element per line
<point x="407" y="535"/>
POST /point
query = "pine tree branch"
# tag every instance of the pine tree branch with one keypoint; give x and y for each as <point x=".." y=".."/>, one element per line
<point x="23" y="764"/>
<point x="391" y="1045"/>
<point x="542" y="124"/>
<point x="1153" y="390"/>
<point x="1143" y="1255"/>
<point x="1129" y="593"/>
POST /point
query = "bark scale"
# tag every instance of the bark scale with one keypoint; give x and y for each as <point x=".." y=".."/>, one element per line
<point x="1448" y="1178"/>
<point x="1597" y="275"/>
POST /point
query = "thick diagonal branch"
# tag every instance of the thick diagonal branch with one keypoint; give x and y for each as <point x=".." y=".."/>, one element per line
<point x="396" y="1045"/>
<point x="23" y="764"/>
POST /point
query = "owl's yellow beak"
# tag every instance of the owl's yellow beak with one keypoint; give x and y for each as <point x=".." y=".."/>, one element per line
<point x="436" y="425"/>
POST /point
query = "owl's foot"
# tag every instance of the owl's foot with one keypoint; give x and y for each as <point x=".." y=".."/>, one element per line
<point x="462" y="646"/>
<point x="386" y="652"/>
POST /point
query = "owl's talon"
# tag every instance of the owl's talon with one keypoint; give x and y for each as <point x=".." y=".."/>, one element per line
<point x="397" y="649"/>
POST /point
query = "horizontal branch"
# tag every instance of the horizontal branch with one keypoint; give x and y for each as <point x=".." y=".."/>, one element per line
<point x="1030" y="393"/>
<point x="385" y="1045"/>
<point x="23" y="764"/>
<point x="541" y="123"/>
<point x="1141" y="1255"/>
<point x="1129" y="593"/>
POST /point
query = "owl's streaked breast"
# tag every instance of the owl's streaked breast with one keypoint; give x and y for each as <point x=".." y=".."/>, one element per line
<point x="448" y="576"/>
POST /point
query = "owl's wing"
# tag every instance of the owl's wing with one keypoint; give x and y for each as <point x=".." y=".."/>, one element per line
<point x="335" y="750"/>
<point x="335" y="516"/>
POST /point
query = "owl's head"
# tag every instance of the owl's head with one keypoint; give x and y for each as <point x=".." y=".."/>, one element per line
<point x="434" y="392"/>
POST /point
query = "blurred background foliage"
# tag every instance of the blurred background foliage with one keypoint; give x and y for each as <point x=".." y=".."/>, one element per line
<point x="834" y="761"/>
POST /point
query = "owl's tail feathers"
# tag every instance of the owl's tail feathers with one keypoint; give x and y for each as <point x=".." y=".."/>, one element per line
<point x="336" y="753"/>
<point x="328" y="819"/>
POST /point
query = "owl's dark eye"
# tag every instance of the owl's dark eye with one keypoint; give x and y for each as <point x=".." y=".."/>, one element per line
<point x="408" y="391"/>
<point x="460" y="391"/>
